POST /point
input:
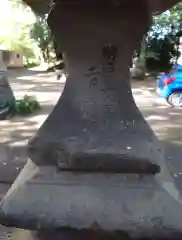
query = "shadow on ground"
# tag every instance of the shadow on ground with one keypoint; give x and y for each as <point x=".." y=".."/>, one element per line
<point x="15" y="132"/>
<point x="165" y="121"/>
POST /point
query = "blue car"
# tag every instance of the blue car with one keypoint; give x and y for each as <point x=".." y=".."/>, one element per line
<point x="169" y="86"/>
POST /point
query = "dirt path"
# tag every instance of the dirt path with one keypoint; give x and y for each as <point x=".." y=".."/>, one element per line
<point x="14" y="133"/>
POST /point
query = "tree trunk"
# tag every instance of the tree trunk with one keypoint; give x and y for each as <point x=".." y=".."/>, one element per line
<point x="86" y="159"/>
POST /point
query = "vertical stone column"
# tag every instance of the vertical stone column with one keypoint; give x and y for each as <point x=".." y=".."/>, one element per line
<point x="96" y="118"/>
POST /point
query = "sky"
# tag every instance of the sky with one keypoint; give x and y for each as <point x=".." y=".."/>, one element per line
<point x="12" y="19"/>
<point x="8" y="14"/>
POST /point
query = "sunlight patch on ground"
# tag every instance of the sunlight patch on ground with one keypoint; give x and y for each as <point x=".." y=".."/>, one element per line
<point x="156" y="117"/>
<point x="39" y="119"/>
<point x="19" y="143"/>
<point x="177" y="142"/>
<point x="25" y="78"/>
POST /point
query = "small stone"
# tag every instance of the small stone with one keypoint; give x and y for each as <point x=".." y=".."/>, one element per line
<point x="129" y="147"/>
<point x="8" y="234"/>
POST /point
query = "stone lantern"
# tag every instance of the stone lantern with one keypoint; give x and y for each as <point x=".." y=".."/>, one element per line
<point x="95" y="166"/>
<point x="6" y="93"/>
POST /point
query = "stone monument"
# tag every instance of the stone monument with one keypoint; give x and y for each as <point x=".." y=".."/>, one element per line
<point x="95" y="166"/>
<point x="6" y="94"/>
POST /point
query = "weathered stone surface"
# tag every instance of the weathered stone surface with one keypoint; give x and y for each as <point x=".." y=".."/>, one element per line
<point x="6" y="94"/>
<point x="96" y="127"/>
<point x="6" y="97"/>
<point x="103" y="129"/>
<point x="156" y="6"/>
<point x="43" y="199"/>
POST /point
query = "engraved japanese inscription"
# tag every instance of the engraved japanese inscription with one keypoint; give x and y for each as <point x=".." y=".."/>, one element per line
<point x="109" y="54"/>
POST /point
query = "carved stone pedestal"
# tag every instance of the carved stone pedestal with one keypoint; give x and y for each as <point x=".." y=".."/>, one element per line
<point x="95" y="164"/>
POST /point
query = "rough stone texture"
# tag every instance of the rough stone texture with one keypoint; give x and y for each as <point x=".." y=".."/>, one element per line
<point x="141" y="206"/>
<point x="96" y="126"/>
<point x="100" y="129"/>
<point x="156" y="6"/>
<point x="67" y="234"/>
<point x="6" y="97"/>
<point x="6" y="94"/>
<point x="39" y="6"/>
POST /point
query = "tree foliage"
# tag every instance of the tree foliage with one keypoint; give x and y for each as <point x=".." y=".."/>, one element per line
<point x="160" y="47"/>
<point x="26" y="33"/>
<point x="15" y="34"/>
<point x="41" y="33"/>
<point x="163" y="39"/>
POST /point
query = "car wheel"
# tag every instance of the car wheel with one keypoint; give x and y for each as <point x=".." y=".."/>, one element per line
<point x="175" y="99"/>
